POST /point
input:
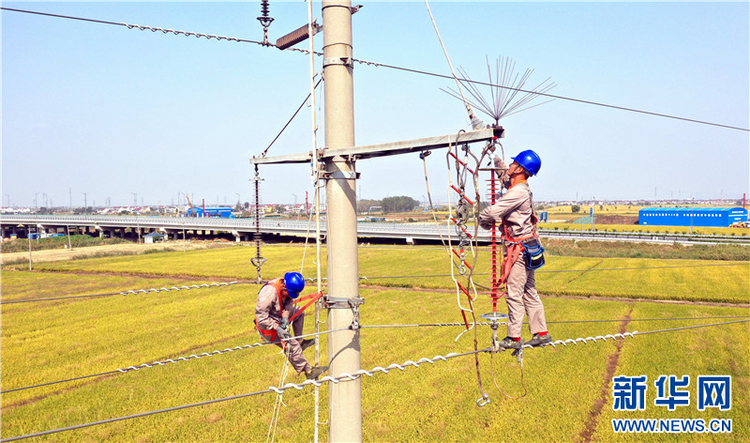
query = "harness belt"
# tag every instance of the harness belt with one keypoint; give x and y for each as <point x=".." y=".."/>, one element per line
<point x="270" y="335"/>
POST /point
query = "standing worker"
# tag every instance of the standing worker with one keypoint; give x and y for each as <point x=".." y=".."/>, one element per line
<point x="273" y="314"/>
<point x="523" y="252"/>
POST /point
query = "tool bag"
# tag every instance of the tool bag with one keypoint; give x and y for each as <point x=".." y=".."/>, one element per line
<point x="533" y="253"/>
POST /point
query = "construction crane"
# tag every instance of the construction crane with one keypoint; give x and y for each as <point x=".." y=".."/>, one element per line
<point x="192" y="210"/>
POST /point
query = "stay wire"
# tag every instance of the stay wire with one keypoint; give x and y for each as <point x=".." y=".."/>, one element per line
<point x="263" y="154"/>
<point x="411" y="70"/>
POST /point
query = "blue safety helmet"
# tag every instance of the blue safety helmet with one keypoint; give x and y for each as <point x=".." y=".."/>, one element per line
<point x="295" y="283"/>
<point x="529" y="160"/>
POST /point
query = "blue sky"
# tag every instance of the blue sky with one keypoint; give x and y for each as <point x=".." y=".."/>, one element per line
<point x="107" y="111"/>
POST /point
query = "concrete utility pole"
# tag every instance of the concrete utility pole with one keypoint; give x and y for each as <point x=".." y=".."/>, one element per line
<point x="345" y="398"/>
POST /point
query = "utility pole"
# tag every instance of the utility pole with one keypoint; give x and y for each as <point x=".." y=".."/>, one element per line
<point x="345" y="399"/>
<point x="85" y="208"/>
<point x="340" y="176"/>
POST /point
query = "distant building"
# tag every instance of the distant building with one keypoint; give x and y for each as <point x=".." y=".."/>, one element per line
<point x="153" y="237"/>
<point x="220" y="212"/>
<point x="718" y="217"/>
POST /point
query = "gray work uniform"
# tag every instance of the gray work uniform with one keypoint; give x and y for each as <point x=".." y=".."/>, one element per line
<point x="514" y="209"/>
<point x="268" y="314"/>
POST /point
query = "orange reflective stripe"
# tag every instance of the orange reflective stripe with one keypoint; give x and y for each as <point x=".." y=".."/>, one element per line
<point x="267" y="334"/>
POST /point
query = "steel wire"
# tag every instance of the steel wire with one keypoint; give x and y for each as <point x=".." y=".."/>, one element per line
<point x="384" y="65"/>
<point x="171" y="360"/>
<point x="357" y="374"/>
<point x="278" y="390"/>
<point x="130" y="292"/>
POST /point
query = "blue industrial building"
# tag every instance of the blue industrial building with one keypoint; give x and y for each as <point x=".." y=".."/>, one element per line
<point x="222" y="212"/>
<point x="719" y="217"/>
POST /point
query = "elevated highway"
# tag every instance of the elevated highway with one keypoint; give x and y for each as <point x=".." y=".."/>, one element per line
<point x="243" y="229"/>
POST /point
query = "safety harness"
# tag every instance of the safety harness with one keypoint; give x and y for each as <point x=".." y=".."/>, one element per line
<point x="270" y="335"/>
<point x="514" y="247"/>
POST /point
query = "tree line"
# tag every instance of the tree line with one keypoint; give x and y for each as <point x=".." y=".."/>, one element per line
<point x="399" y="203"/>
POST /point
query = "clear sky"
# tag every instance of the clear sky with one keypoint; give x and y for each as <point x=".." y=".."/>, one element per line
<point x="108" y="111"/>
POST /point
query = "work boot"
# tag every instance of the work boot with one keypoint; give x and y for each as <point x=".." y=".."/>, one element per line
<point x="539" y="340"/>
<point x="316" y="372"/>
<point x="306" y="343"/>
<point x="509" y="343"/>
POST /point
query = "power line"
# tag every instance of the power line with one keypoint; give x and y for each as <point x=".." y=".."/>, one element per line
<point x="361" y="372"/>
<point x="133" y="292"/>
<point x="613" y="320"/>
<point x="550" y="271"/>
<point x="384" y="65"/>
<point x="416" y="325"/>
<point x="278" y="390"/>
<point x="170" y="360"/>
<point x="571" y="99"/>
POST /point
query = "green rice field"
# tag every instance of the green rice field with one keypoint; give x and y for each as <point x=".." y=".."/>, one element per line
<point x="569" y="388"/>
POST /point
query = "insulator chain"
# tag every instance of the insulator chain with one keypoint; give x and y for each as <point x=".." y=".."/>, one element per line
<point x="176" y="288"/>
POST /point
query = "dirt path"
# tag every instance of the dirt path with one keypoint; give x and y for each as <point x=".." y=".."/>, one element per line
<point x="596" y="409"/>
<point x="51" y="255"/>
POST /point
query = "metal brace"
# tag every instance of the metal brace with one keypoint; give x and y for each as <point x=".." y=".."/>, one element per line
<point x="346" y="175"/>
<point x="345" y="303"/>
<point x="344" y="61"/>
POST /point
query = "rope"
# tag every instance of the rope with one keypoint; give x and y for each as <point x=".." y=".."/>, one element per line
<point x="172" y="360"/>
<point x="384" y="65"/>
<point x="133" y="292"/>
<point x="279" y="399"/>
<point x="494" y="380"/>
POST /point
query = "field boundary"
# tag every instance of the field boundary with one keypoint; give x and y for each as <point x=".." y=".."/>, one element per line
<point x="382" y="288"/>
<point x="614" y="358"/>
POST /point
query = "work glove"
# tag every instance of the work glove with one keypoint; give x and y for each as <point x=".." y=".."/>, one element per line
<point x="284" y="322"/>
<point x="282" y="333"/>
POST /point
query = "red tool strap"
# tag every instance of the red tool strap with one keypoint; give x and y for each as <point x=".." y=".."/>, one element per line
<point x="312" y="297"/>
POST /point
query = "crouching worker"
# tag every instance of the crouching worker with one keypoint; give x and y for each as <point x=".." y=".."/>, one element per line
<point x="273" y="312"/>
<point x="514" y="212"/>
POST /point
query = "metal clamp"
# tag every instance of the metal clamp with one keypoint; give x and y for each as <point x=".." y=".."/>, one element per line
<point x="342" y="303"/>
<point x="345" y="303"/>
<point x="343" y="61"/>
<point x="345" y="175"/>
<point x="483" y="401"/>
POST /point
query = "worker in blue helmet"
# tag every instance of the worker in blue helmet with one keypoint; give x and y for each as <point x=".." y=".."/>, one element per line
<point x="514" y="216"/>
<point x="275" y="313"/>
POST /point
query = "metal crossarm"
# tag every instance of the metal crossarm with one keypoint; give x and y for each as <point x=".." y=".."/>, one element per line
<point x="388" y="149"/>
